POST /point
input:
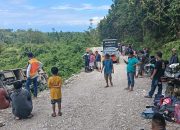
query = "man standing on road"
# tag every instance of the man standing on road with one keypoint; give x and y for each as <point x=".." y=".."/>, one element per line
<point x="86" y="58"/>
<point x="98" y="61"/>
<point x="156" y="76"/>
<point x="131" y="70"/>
<point x="32" y="72"/>
<point x="174" y="57"/>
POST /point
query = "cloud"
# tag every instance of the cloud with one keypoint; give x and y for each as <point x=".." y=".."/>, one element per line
<point x="21" y="14"/>
<point x="81" y="8"/>
<point x="96" y="20"/>
<point x="4" y="10"/>
<point x="17" y="2"/>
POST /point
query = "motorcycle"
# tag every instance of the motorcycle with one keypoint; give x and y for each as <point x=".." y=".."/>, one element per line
<point x="172" y="77"/>
<point x="149" y="66"/>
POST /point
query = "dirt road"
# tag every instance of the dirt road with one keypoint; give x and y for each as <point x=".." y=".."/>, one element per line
<point x="87" y="105"/>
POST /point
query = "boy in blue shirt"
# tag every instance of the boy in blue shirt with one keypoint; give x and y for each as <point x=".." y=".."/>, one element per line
<point x="131" y="70"/>
<point x="108" y="70"/>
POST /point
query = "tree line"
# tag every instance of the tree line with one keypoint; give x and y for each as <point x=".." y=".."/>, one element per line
<point x="142" y="22"/>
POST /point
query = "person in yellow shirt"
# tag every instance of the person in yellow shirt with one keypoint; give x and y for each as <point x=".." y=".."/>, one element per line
<point x="54" y="84"/>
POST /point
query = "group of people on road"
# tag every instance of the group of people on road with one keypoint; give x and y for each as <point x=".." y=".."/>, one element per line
<point x="136" y="62"/>
<point x="92" y="60"/>
<point x="20" y="99"/>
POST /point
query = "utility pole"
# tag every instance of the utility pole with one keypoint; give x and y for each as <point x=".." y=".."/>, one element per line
<point x="91" y="24"/>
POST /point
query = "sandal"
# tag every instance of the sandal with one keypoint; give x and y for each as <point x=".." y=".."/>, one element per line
<point x="2" y="124"/>
<point x="107" y="86"/>
<point x="17" y="118"/>
<point x="30" y="116"/>
<point x="130" y="90"/>
<point x="53" y="114"/>
<point x="59" y="113"/>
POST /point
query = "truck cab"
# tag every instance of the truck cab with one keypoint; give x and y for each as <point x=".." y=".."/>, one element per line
<point x="110" y="46"/>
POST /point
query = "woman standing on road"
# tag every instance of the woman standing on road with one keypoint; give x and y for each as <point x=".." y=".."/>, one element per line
<point x="92" y="61"/>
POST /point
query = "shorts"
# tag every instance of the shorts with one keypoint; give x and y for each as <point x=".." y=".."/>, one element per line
<point x="106" y="76"/>
<point x="54" y="101"/>
<point x="142" y="67"/>
<point x="91" y="64"/>
<point x="98" y="64"/>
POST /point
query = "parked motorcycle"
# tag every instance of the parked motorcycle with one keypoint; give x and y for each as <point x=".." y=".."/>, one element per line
<point x="149" y="66"/>
<point x="172" y="77"/>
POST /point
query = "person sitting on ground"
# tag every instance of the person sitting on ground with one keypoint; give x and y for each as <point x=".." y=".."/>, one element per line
<point x="156" y="76"/>
<point x="131" y="70"/>
<point x="108" y="70"/>
<point x="174" y="58"/>
<point x="158" y="122"/>
<point x="21" y="102"/>
<point x="54" y="84"/>
<point x="4" y="99"/>
<point x="32" y="72"/>
<point x="98" y="61"/>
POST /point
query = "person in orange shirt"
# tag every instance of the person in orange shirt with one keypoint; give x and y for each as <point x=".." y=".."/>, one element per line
<point x="32" y="73"/>
<point x="54" y="84"/>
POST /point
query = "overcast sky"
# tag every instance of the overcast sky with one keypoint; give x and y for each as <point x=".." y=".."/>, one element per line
<point x="65" y="15"/>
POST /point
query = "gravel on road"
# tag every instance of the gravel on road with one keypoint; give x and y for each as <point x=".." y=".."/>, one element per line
<point x="87" y="105"/>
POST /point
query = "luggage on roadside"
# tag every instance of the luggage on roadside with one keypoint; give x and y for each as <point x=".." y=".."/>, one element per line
<point x="177" y="113"/>
<point x="157" y="99"/>
<point x="149" y="112"/>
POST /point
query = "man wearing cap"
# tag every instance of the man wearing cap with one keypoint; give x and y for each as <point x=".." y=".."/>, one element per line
<point x="174" y="57"/>
<point x="32" y="72"/>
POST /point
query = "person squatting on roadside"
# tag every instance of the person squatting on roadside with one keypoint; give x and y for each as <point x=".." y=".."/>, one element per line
<point x="131" y="70"/>
<point x="54" y="84"/>
<point x="21" y="102"/>
<point x="4" y="99"/>
<point x="32" y="72"/>
<point x="156" y="76"/>
<point x="108" y="70"/>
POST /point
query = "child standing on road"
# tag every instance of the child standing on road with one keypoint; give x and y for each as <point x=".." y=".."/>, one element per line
<point x="54" y="84"/>
<point x="108" y="69"/>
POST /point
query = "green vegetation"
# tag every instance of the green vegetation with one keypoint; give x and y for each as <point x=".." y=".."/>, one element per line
<point x="150" y="23"/>
<point x="168" y="47"/>
<point x="60" y="49"/>
<point x="144" y="23"/>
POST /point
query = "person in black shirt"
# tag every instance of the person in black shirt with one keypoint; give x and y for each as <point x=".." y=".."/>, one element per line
<point x="156" y="76"/>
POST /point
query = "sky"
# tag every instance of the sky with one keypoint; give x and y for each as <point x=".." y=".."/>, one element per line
<point x="43" y="15"/>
